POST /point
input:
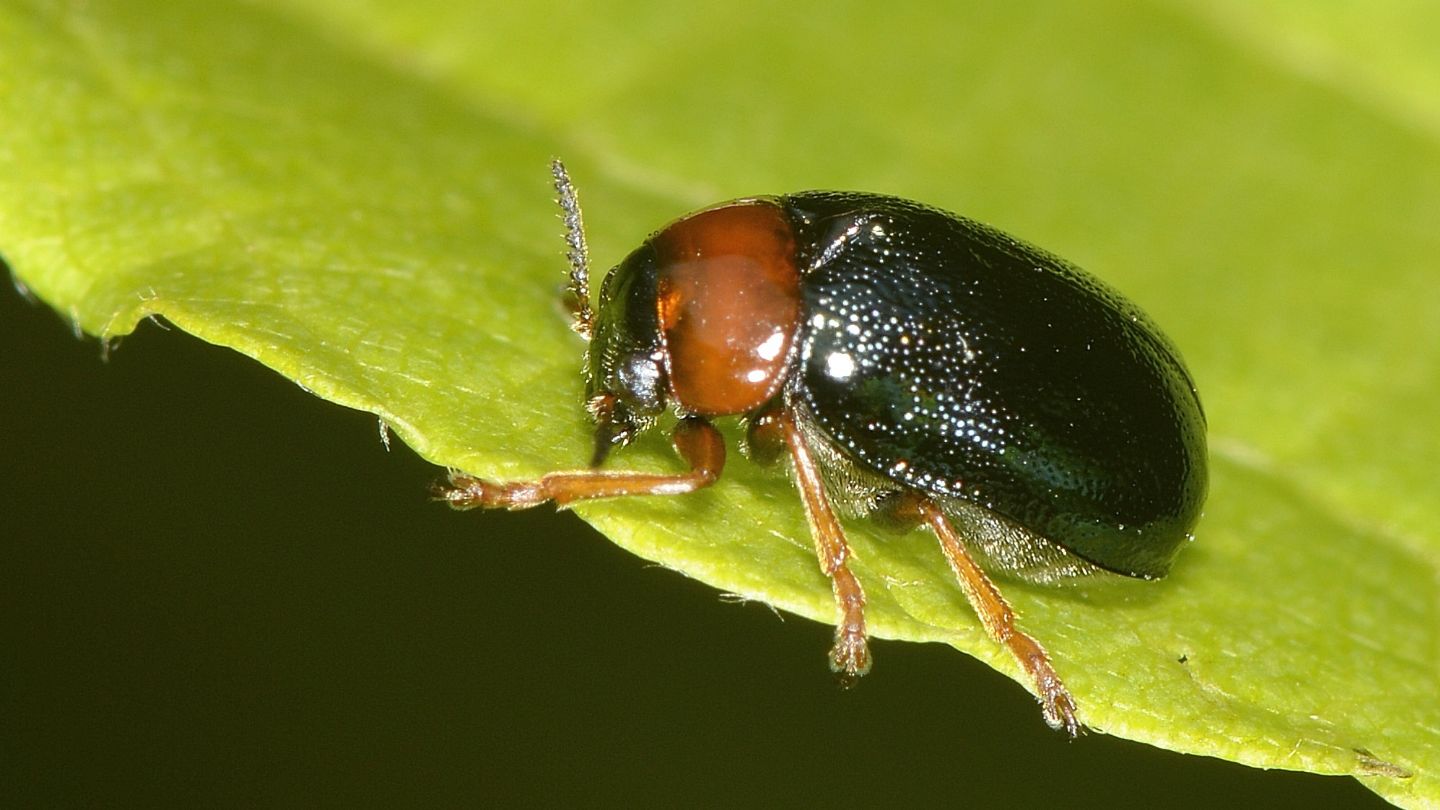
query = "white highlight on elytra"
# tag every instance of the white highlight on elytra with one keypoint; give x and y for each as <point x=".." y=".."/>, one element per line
<point x="839" y="365"/>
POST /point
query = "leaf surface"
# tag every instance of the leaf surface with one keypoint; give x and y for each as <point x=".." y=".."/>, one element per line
<point x="356" y="195"/>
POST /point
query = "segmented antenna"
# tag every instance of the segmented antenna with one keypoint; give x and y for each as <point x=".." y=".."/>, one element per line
<point x="577" y="252"/>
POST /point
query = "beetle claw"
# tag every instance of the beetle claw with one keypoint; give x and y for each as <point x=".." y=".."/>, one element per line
<point x="1059" y="710"/>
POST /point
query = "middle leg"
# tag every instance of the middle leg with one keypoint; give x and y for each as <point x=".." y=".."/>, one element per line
<point x="851" y="655"/>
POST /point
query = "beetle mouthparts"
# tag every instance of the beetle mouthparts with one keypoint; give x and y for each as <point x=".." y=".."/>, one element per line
<point x="605" y="439"/>
<point x="611" y="428"/>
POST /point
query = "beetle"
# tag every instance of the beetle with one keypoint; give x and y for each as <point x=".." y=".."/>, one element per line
<point x="913" y="365"/>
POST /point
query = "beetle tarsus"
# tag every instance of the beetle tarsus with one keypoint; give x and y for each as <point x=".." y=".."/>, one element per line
<point x="1058" y="707"/>
<point x="850" y="657"/>
<point x="468" y="492"/>
<point x="1056" y="703"/>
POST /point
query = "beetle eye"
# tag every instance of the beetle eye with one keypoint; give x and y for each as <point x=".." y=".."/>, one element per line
<point x="639" y="378"/>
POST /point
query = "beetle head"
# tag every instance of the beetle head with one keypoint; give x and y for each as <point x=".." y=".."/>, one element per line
<point x="626" y="385"/>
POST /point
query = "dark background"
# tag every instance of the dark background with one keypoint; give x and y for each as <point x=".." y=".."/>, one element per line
<point x="216" y="589"/>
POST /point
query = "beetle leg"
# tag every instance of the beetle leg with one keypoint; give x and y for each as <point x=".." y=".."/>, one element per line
<point x="851" y="655"/>
<point x="697" y="441"/>
<point x="999" y="620"/>
<point x="899" y="511"/>
<point x="765" y="435"/>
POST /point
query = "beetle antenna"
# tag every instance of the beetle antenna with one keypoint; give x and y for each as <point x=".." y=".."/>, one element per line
<point x="576" y="250"/>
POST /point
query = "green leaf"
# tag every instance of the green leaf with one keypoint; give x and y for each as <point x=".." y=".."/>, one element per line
<point x="357" y="197"/>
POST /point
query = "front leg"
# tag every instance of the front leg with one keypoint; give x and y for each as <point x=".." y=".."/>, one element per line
<point x="698" y="442"/>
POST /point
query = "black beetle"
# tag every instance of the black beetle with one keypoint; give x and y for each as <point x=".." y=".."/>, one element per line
<point x="912" y="364"/>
